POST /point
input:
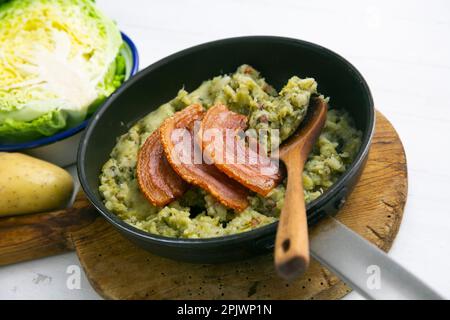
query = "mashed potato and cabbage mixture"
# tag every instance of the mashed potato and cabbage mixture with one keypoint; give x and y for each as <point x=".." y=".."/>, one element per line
<point x="197" y="214"/>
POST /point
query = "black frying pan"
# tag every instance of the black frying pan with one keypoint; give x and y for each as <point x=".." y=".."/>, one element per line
<point x="278" y="59"/>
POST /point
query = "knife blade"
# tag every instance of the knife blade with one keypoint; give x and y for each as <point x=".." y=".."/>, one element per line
<point x="363" y="266"/>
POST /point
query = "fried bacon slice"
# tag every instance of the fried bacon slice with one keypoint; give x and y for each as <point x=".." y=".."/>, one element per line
<point x="185" y="156"/>
<point x="159" y="183"/>
<point x="222" y="143"/>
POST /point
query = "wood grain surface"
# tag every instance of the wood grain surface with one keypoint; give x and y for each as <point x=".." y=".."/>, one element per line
<point x="118" y="269"/>
<point x="40" y="235"/>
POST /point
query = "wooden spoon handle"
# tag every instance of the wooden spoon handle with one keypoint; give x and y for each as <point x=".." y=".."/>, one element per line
<point x="291" y="245"/>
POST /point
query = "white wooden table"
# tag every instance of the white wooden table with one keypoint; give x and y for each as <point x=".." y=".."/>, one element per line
<point x="401" y="48"/>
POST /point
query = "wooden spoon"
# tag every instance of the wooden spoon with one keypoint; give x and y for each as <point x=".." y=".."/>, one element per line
<point x="291" y="245"/>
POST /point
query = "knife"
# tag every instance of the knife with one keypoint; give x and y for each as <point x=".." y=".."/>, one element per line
<point x="363" y="266"/>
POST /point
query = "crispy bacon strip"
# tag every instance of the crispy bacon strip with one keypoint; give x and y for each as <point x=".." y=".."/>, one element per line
<point x="159" y="183"/>
<point x="242" y="163"/>
<point x="180" y="148"/>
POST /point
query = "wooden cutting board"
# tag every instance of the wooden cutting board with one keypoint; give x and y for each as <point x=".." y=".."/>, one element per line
<point x="118" y="269"/>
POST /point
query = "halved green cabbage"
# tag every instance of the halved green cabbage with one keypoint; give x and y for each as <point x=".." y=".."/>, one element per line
<point x="58" y="60"/>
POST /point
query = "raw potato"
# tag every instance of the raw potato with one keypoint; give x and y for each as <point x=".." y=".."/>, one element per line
<point x="29" y="185"/>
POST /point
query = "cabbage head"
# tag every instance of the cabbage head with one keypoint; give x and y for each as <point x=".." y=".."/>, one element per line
<point x="59" y="59"/>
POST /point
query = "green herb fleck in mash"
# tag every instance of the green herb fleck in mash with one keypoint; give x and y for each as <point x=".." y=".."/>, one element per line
<point x="197" y="214"/>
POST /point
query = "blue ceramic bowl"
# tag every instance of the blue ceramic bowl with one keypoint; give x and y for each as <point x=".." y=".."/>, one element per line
<point x="61" y="148"/>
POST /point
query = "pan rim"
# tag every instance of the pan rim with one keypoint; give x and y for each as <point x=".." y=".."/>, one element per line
<point x="247" y="235"/>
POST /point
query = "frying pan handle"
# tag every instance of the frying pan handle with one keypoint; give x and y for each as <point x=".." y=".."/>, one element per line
<point x="363" y="266"/>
